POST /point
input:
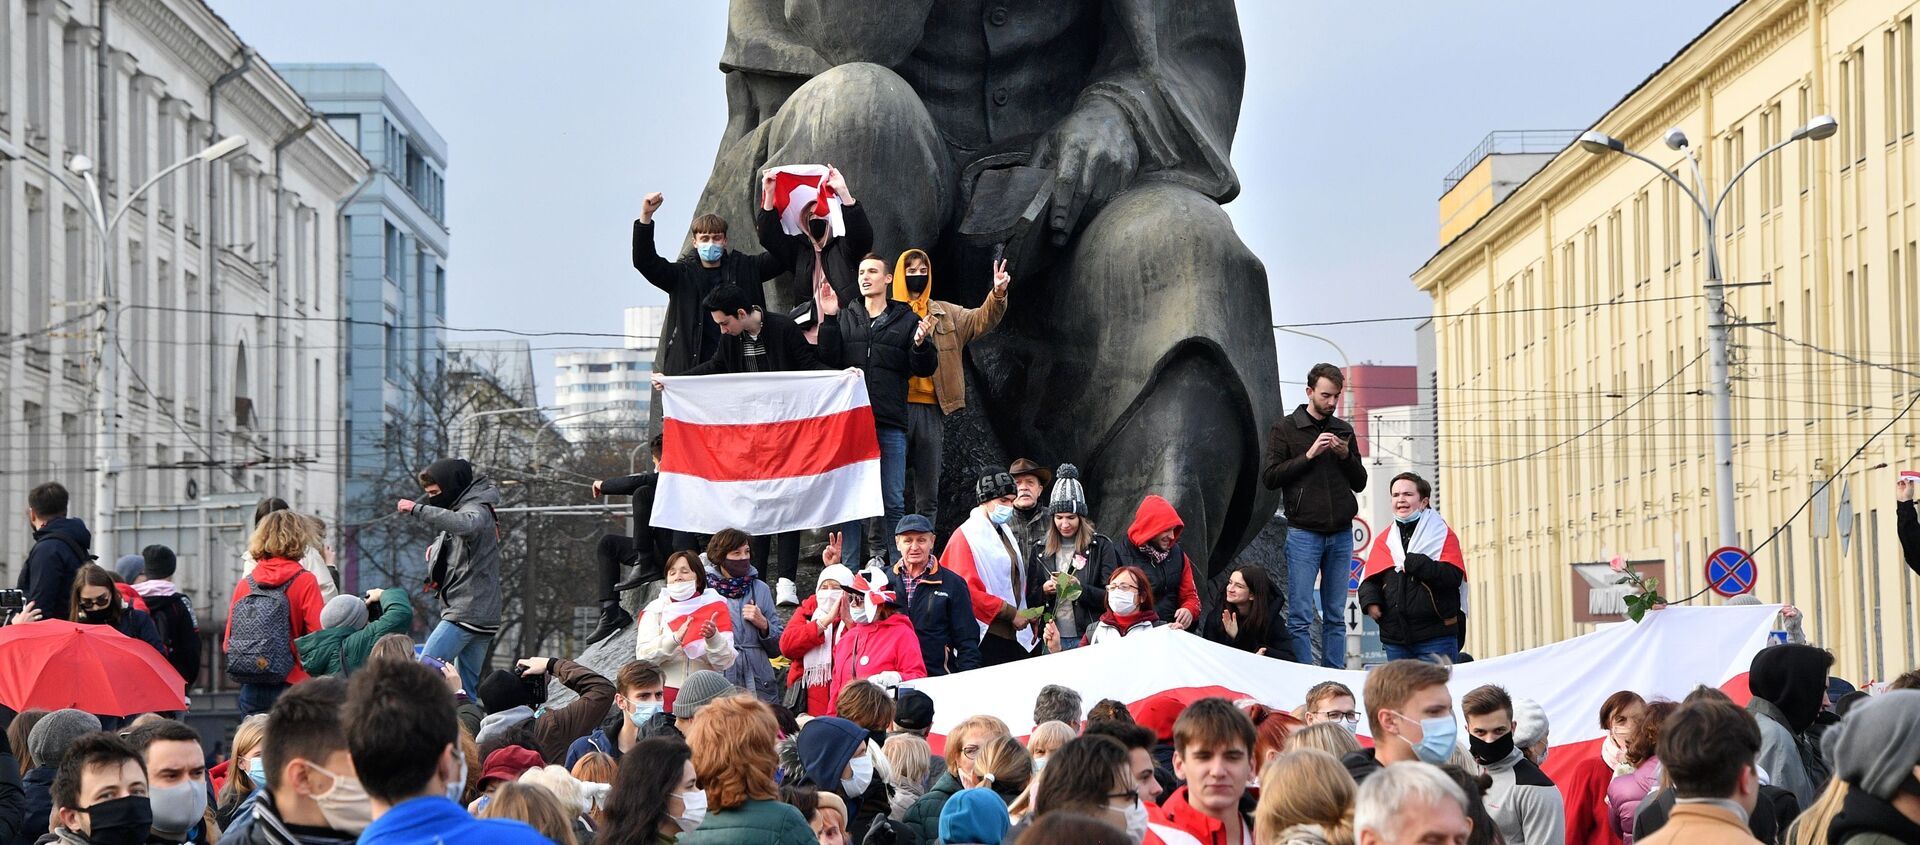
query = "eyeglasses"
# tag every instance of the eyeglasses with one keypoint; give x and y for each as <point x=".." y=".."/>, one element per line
<point x="1130" y="796"/>
<point x="1348" y="716"/>
<point x="96" y="604"/>
<point x="972" y="751"/>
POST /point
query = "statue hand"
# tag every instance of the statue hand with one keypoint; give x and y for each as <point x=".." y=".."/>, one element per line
<point x="1093" y="156"/>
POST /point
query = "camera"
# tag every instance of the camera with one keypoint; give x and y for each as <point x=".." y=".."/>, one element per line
<point x="11" y="603"/>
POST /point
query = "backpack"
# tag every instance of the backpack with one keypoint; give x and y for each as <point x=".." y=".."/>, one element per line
<point x="180" y="631"/>
<point x="260" y="636"/>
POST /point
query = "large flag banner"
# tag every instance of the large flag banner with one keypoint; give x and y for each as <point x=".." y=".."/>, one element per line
<point x="1665" y="656"/>
<point x="766" y="452"/>
<point x="795" y="187"/>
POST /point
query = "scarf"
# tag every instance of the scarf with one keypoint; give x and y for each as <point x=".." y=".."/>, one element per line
<point x="154" y="589"/>
<point x="1615" y="757"/>
<point x="1122" y="624"/>
<point x="999" y="567"/>
<point x="686" y="618"/>
<point x="1155" y="553"/>
<point x="817" y="665"/>
<point x="732" y="588"/>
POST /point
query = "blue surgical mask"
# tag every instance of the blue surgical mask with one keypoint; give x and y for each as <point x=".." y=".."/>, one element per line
<point x="1437" y="737"/>
<point x="1410" y="518"/>
<point x="1001" y="514"/>
<point x="710" y="252"/>
<point x="257" y="770"/>
<point x="643" y="711"/>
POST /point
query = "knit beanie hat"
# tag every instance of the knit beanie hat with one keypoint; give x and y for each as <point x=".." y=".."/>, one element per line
<point x="55" y="733"/>
<point x="826" y="745"/>
<point x="1068" y="495"/>
<point x="504" y="690"/>
<point x="1530" y="722"/>
<point x="129" y="567"/>
<point x="346" y="611"/>
<point x="974" y="815"/>
<point x="837" y="573"/>
<point x="993" y="484"/>
<point x="698" y="690"/>
<point x="1877" y="747"/>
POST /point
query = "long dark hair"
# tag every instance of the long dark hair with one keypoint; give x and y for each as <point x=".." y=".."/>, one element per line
<point x="637" y="802"/>
<point x="1253" y="623"/>
<point x="1080" y="775"/>
<point x="92" y="575"/>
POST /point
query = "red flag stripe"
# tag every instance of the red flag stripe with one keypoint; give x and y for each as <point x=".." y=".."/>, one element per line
<point x="758" y="451"/>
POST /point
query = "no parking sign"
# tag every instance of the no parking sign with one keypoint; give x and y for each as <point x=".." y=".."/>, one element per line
<point x="1730" y="572"/>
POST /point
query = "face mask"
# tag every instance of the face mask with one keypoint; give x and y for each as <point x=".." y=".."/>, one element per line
<point x="710" y="253"/>
<point x="817" y="227"/>
<point x="856" y="786"/>
<point x="1488" y="753"/>
<point x="827" y="599"/>
<point x="257" y="771"/>
<point x="864" y="613"/>
<point x="917" y="283"/>
<point x="1436" y="739"/>
<point x="122" y="821"/>
<point x="1136" y="822"/>
<point x="1001" y="514"/>
<point x="695" y="803"/>
<point x="1409" y="518"/>
<point x="95" y="617"/>
<point x="177" y="808"/>
<point x="1352" y="727"/>
<point x="458" y="786"/>
<point x="1038" y="764"/>
<point x="680" y="590"/>
<point x="345" y="805"/>
<point x="1121" y="601"/>
<point x="643" y="712"/>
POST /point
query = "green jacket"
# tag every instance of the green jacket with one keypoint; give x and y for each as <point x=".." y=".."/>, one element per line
<point x="752" y="823"/>
<point x="321" y="651"/>
<point x="924" y="816"/>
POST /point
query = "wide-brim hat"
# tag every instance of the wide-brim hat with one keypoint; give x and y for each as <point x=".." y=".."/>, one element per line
<point x="1026" y="467"/>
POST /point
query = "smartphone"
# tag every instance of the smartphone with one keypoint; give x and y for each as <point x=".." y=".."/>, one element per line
<point x="428" y="660"/>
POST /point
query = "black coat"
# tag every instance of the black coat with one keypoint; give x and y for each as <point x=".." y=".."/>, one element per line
<point x="1275" y="640"/>
<point x="1316" y="492"/>
<point x="787" y="350"/>
<point x="37" y="789"/>
<point x="653" y="546"/>
<point x="1102" y="560"/>
<point x="1419" y="604"/>
<point x="884" y="350"/>
<point x="1165" y="578"/>
<point x="1908" y="524"/>
<point x="686" y="283"/>
<point x="842" y="254"/>
<point x="942" y="614"/>
<point x="47" y="578"/>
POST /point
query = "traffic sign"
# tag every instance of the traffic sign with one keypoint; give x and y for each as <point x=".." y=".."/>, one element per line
<point x="1362" y="535"/>
<point x="1354" y="572"/>
<point x="1730" y="571"/>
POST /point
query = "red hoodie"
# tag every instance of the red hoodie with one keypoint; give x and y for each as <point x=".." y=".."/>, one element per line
<point x="1154" y="517"/>
<point x="1176" y="813"/>
<point x="889" y="645"/>
<point x="303" y="596"/>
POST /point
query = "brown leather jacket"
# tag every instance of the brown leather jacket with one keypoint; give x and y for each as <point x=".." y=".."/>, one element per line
<point x="953" y="328"/>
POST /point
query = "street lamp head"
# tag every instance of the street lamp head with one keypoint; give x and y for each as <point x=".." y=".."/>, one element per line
<point x="1598" y="142"/>
<point x="225" y="147"/>
<point x="1675" y="139"/>
<point x="80" y="164"/>
<point x="1818" y="129"/>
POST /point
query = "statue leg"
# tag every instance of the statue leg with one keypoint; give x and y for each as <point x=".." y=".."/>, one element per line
<point x="1148" y="358"/>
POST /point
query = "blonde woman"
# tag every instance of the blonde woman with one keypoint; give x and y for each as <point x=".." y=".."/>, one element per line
<point x="246" y="772"/>
<point x="1332" y="738"/>
<point x="964" y="744"/>
<point x="1317" y="801"/>
<point x="910" y="761"/>
<point x="534" y="805"/>
<point x="276" y="546"/>
<point x="1047" y="737"/>
<point x="1003" y="765"/>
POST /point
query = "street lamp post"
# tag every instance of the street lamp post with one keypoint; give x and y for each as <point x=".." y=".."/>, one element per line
<point x="1599" y="143"/>
<point x="107" y="379"/>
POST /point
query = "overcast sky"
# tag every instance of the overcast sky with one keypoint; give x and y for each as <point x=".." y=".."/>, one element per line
<point x="559" y="116"/>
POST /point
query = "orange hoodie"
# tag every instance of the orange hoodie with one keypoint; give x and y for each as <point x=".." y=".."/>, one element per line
<point x="919" y="388"/>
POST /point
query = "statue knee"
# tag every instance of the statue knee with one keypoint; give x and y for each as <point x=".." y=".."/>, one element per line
<point x="1165" y="226"/>
<point x="857" y="91"/>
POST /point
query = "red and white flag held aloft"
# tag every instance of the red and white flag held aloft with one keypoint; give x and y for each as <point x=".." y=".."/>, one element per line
<point x="766" y="452"/>
<point x="795" y="188"/>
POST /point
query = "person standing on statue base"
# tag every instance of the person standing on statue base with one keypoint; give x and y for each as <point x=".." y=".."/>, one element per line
<point x="688" y="337"/>
<point x="1415" y="578"/>
<point x="1030" y="512"/>
<point x="1312" y="458"/>
<point x="930" y="400"/>
<point x="984" y="552"/>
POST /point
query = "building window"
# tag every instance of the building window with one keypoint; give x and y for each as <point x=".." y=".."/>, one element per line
<point x="38" y="63"/>
<point x="1859" y="104"/>
<point x="392" y="350"/>
<point x="39" y="275"/>
<point x="347" y="126"/>
<point x="1905" y="75"/>
<point x="73" y="86"/>
<point x="394" y="260"/>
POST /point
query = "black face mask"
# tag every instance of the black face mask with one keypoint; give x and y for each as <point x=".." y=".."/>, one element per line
<point x="122" y="821"/>
<point x="917" y="282"/>
<point x="1489" y="753"/>
<point x="817" y="227"/>
<point x="97" y="617"/>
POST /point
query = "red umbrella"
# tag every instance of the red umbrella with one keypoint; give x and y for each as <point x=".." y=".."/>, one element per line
<point x="55" y="664"/>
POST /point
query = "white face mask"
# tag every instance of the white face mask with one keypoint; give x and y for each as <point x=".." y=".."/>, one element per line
<point x="346" y="805"/>
<point x="680" y="590"/>
<point x="695" y="812"/>
<point x="177" y="808"/>
<point x="864" y="613"/>
<point x="458" y="786"/>
<point x="827" y="599"/>
<point x="856" y="786"/>
<point x="1137" y="822"/>
<point x="1121" y="601"/>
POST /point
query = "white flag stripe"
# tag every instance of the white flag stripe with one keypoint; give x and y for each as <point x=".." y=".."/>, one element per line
<point x="748" y="398"/>
<point x="771" y="505"/>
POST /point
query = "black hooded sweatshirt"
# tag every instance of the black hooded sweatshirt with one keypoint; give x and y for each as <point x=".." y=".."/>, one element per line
<point x="1792" y="678"/>
<point x="454" y="477"/>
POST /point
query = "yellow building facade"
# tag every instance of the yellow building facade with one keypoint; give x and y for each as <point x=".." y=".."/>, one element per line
<point x="1575" y="419"/>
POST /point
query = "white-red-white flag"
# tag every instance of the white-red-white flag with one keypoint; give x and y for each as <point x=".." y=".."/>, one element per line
<point x="766" y="452"/>
<point x="795" y="189"/>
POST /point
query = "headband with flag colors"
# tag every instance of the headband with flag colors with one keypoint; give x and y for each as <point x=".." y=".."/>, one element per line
<point x="796" y="187"/>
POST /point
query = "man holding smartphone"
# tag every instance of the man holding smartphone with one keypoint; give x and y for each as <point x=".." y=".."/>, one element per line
<point x="1313" y="460"/>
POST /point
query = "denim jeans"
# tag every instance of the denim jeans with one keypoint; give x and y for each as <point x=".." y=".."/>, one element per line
<point x="1326" y="556"/>
<point x="461" y="647"/>
<point x="926" y="445"/>
<point x="259" y="698"/>
<point x="1427" y="650"/>
<point x="893" y="496"/>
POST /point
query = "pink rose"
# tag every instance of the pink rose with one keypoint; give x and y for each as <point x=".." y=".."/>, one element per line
<point x="1617" y="563"/>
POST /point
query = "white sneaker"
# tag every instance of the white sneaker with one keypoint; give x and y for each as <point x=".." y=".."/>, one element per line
<point x="786" y="595"/>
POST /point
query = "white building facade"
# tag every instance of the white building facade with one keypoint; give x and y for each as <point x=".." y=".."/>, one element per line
<point x="227" y="279"/>
<point x="610" y="390"/>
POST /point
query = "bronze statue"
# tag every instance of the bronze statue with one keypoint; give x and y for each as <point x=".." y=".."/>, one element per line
<point x="1086" y="141"/>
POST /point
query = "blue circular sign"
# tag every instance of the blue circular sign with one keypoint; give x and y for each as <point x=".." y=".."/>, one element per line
<point x="1353" y="575"/>
<point x="1730" y="572"/>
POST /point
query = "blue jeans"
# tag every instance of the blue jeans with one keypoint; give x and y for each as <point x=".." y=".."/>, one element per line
<point x="893" y="497"/>
<point x="259" y="698"/>
<point x="1326" y="556"/>
<point x="1425" y="650"/>
<point x="463" y="648"/>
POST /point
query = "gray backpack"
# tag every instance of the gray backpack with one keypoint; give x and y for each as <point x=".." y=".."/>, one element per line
<point x="260" y="638"/>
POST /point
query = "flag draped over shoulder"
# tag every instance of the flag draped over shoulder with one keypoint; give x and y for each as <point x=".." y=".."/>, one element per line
<point x="766" y="452"/>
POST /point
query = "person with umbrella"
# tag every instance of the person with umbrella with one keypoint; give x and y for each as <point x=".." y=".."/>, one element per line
<point x="95" y="600"/>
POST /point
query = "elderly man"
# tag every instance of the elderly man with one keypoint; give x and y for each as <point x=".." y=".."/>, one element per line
<point x="1411" y="804"/>
<point x="936" y="600"/>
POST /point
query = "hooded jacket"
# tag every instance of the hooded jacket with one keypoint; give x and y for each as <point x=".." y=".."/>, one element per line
<point x="883" y="348"/>
<point x="464" y="567"/>
<point x="888" y="645"/>
<point x="1316" y="492"/>
<point x="686" y="283"/>
<point x="826" y="745"/>
<point x="953" y="328"/>
<point x="47" y="577"/>
<point x="1524" y="802"/>
<point x="343" y="650"/>
<point x="556" y="729"/>
<point x="303" y="599"/>
<point x="1788" y="682"/>
<point x="752" y="668"/>
<point x="1172" y="578"/>
<point x="801" y="636"/>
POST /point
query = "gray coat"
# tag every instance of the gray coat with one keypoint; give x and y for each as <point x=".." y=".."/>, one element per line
<point x="751" y="669"/>
<point x="1780" y="754"/>
<point x="469" y="543"/>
